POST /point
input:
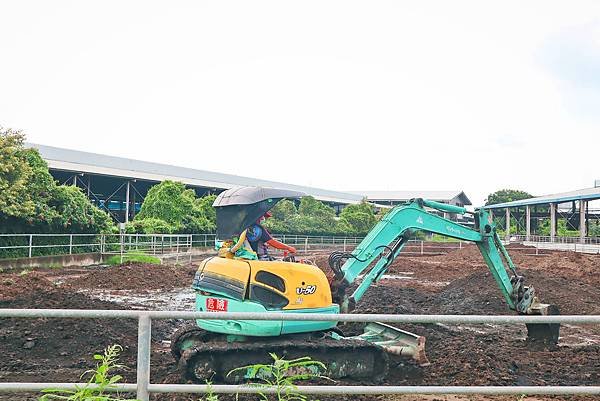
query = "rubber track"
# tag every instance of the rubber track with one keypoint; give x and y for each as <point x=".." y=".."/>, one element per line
<point x="214" y="359"/>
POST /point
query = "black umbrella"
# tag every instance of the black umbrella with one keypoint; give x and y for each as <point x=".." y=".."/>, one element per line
<point x="238" y="208"/>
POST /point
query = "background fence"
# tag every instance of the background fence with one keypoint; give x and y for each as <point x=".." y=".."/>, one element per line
<point x="187" y="245"/>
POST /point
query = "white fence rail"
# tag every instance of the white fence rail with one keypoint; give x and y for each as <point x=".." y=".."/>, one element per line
<point x="143" y="387"/>
<point x="183" y="245"/>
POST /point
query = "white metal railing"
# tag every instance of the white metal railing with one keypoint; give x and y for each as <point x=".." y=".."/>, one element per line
<point x="143" y="387"/>
<point x="557" y="240"/>
<point x="182" y="245"/>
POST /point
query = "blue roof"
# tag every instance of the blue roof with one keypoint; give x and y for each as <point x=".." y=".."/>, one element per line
<point x="563" y="197"/>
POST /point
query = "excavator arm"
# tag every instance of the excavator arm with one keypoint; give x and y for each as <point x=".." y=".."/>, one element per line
<point x="373" y="256"/>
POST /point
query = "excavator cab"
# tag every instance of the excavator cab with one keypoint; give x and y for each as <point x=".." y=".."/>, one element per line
<point x="238" y="285"/>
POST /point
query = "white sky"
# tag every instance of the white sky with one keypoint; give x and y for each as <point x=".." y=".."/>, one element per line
<point x="344" y="95"/>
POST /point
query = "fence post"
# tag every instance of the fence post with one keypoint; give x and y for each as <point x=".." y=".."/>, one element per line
<point x="190" y="249"/>
<point x="121" y="239"/>
<point x="143" y="357"/>
<point x="421" y="247"/>
<point x="306" y="244"/>
<point x="70" y="244"/>
<point x="460" y="245"/>
<point x="344" y="244"/>
<point x="30" y="243"/>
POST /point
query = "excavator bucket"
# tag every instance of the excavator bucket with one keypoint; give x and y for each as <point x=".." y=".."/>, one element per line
<point x="544" y="333"/>
<point x="394" y="341"/>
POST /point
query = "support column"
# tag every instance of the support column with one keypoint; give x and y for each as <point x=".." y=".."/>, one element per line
<point x="75" y="180"/>
<point x="582" y="207"/>
<point x="127" y="203"/>
<point x="507" y="236"/>
<point x="552" y="221"/>
<point x="528" y="223"/>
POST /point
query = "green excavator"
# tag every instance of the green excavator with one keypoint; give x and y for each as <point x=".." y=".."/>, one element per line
<point x="236" y="282"/>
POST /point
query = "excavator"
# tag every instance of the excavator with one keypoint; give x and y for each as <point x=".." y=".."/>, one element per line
<point x="234" y="281"/>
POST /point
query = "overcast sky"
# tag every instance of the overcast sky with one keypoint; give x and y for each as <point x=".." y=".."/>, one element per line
<point x="345" y="95"/>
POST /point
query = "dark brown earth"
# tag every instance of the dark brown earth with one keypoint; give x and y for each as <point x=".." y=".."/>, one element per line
<point x="59" y="350"/>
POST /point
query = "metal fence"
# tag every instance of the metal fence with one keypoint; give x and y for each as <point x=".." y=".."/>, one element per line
<point x="185" y="245"/>
<point x="143" y="387"/>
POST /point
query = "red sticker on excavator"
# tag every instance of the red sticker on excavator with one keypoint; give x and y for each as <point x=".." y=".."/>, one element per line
<point x="216" y="305"/>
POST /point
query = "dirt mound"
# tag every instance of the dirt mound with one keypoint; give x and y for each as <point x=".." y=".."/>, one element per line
<point x="37" y="348"/>
<point x="13" y="285"/>
<point x="136" y="276"/>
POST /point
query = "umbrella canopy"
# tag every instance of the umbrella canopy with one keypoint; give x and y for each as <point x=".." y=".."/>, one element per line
<point x="238" y="208"/>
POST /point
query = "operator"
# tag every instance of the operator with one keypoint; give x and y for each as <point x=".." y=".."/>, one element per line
<point x="259" y="239"/>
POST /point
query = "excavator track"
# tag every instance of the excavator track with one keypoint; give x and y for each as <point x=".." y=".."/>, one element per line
<point x="209" y="357"/>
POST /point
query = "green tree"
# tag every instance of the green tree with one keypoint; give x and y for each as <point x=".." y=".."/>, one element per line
<point x="359" y="217"/>
<point x="174" y="209"/>
<point x="205" y="204"/>
<point x="15" y="174"/>
<point x="311" y="217"/>
<point x="315" y="217"/>
<point x="30" y="199"/>
<point x="506" y="195"/>
<point x="284" y="210"/>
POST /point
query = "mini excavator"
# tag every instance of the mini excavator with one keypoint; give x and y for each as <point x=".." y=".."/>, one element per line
<point x="236" y="282"/>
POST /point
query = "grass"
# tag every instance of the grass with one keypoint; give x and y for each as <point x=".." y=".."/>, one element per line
<point x="137" y="257"/>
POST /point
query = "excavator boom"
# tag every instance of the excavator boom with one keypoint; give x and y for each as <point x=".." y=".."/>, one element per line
<point x="373" y="256"/>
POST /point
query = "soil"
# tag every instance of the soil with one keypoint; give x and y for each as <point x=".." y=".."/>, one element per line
<point x="59" y="350"/>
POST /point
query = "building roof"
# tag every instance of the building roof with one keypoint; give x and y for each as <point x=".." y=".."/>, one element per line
<point x="580" y="194"/>
<point x="93" y="163"/>
<point x="439" y="196"/>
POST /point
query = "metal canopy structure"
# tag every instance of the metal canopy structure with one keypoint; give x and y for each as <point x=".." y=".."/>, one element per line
<point x="563" y="197"/>
<point x="577" y="214"/>
<point x="457" y="197"/>
<point x="119" y="185"/>
<point x="393" y="198"/>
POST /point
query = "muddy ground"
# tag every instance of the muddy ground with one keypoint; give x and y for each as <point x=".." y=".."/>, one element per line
<point x="59" y="350"/>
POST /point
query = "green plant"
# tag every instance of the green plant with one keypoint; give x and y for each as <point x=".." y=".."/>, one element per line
<point x="101" y="378"/>
<point x="210" y="395"/>
<point x="282" y="375"/>
<point x="24" y="272"/>
<point x="136" y="257"/>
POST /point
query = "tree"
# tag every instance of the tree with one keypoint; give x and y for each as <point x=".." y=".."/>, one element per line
<point x="506" y="195"/>
<point x="175" y="209"/>
<point x="315" y="217"/>
<point x="30" y="199"/>
<point x="311" y="217"/>
<point x="15" y="174"/>
<point x="359" y="217"/>
<point x="284" y="210"/>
